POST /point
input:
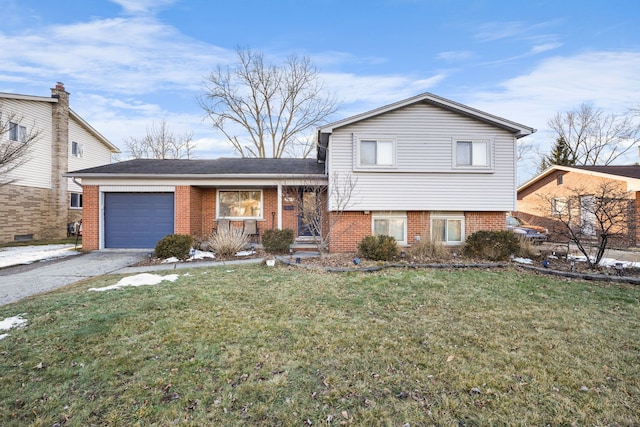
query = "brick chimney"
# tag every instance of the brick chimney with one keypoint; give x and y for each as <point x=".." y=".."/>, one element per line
<point x="59" y="160"/>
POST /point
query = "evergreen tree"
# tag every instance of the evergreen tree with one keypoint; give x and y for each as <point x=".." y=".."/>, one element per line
<point x="561" y="154"/>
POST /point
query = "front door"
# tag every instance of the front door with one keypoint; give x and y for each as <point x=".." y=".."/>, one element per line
<point x="309" y="213"/>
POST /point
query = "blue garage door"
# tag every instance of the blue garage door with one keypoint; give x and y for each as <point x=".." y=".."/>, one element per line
<point x="137" y="220"/>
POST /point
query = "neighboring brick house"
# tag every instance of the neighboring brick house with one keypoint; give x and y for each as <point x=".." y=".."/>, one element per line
<point x="39" y="202"/>
<point x="547" y="193"/>
<point x="422" y="168"/>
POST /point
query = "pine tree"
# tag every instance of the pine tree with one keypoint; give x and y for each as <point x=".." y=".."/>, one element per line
<point x="561" y="154"/>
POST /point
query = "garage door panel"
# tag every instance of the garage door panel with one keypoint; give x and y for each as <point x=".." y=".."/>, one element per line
<point x="137" y="220"/>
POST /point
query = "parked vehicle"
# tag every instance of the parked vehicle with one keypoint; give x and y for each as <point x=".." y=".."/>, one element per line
<point x="533" y="233"/>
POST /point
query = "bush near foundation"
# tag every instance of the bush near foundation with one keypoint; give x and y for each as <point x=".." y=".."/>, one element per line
<point x="277" y="241"/>
<point x="227" y="242"/>
<point x="174" y="245"/>
<point x="491" y="245"/>
<point x="378" y="248"/>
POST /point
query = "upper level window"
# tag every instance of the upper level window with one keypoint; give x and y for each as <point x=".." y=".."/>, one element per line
<point x="376" y="152"/>
<point x="77" y="150"/>
<point x="560" y="179"/>
<point x="76" y="200"/>
<point x="17" y="132"/>
<point x="472" y="154"/>
<point x="240" y="204"/>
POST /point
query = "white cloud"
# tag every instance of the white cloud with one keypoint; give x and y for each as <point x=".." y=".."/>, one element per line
<point x="376" y="90"/>
<point x="608" y="79"/>
<point x="143" y="6"/>
<point x="127" y="55"/>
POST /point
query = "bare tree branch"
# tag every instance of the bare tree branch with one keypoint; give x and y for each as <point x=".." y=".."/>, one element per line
<point x="161" y="143"/>
<point x="591" y="218"/>
<point x="594" y="137"/>
<point x="320" y="222"/>
<point x="262" y="109"/>
<point x="16" y="140"/>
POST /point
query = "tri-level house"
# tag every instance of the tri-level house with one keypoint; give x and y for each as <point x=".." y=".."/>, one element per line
<point x="36" y="201"/>
<point x="422" y="168"/>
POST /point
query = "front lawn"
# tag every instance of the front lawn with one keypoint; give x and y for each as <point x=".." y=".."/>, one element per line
<point x="254" y="345"/>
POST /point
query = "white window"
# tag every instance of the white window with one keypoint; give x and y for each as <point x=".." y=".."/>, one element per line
<point x="390" y="224"/>
<point x="75" y="201"/>
<point x="472" y="154"/>
<point x="17" y="132"/>
<point x="447" y="228"/>
<point x="376" y="152"/>
<point x="77" y="150"/>
<point x="558" y="206"/>
<point x="240" y="204"/>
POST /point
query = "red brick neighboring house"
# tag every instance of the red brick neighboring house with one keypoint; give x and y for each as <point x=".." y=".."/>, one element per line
<point x="538" y="197"/>
<point x="422" y="168"/>
<point x="39" y="202"/>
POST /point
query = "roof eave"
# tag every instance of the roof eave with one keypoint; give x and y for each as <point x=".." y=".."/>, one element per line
<point x="518" y="129"/>
<point x="194" y="176"/>
<point x="87" y="126"/>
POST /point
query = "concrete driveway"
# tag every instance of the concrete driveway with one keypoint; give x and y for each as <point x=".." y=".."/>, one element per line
<point x="21" y="281"/>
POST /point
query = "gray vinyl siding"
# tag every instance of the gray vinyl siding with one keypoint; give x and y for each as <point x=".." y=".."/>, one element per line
<point x="424" y="177"/>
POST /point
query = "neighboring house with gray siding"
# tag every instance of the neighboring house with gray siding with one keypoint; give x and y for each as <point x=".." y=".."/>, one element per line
<point x="39" y="202"/>
<point x="422" y="168"/>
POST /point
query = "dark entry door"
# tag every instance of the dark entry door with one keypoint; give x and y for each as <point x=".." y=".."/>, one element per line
<point x="308" y="212"/>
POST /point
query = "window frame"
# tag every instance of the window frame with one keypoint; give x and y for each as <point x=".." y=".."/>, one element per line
<point x="77" y="149"/>
<point x="78" y="199"/>
<point x="359" y="165"/>
<point x="240" y="190"/>
<point x="488" y="166"/>
<point x="556" y="202"/>
<point x="448" y="216"/>
<point x="387" y="216"/>
<point x="17" y="133"/>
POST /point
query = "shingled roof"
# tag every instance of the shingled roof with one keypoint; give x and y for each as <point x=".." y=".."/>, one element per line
<point x="209" y="167"/>
<point x="628" y="171"/>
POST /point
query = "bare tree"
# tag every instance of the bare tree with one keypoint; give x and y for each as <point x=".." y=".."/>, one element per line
<point x="161" y="143"/>
<point x="312" y="211"/>
<point x="264" y="109"/>
<point x="16" y="140"/>
<point x="594" y="137"/>
<point x="593" y="218"/>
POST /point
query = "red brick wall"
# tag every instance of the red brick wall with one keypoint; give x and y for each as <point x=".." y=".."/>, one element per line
<point x="352" y="227"/>
<point x="476" y="221"/>
<point x="182" y="210"/>
<point x="90" y="218"/>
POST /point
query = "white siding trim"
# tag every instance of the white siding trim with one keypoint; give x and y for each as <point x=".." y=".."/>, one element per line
<point x="137" y="188"/>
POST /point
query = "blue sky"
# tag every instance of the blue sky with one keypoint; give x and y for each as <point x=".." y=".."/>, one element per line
<point x="130" y="63"/>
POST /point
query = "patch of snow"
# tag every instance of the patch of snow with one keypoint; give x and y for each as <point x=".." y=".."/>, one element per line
<point x="244" y="253"/>
<point x="201" y="255"/>
<point x="11" y="323"/>
<point x="170" y="260"/>
<point x="523" y="260"/>
<point x="17" y="255"/>
<point x="144" y="279"/>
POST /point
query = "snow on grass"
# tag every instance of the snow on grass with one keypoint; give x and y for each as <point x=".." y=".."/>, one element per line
<point x="11" y="323"/>
<point x="17" y="255"/>
<point x="144" y="279"/>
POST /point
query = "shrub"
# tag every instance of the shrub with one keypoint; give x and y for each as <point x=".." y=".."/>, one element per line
<point x="492" y="245"/>
<point x="174" y="245"/>
<point x="227" y="242"/>
<point x="378" y="248"/>
<point x="277" y="241"/>
<point x="426" y="250"/>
